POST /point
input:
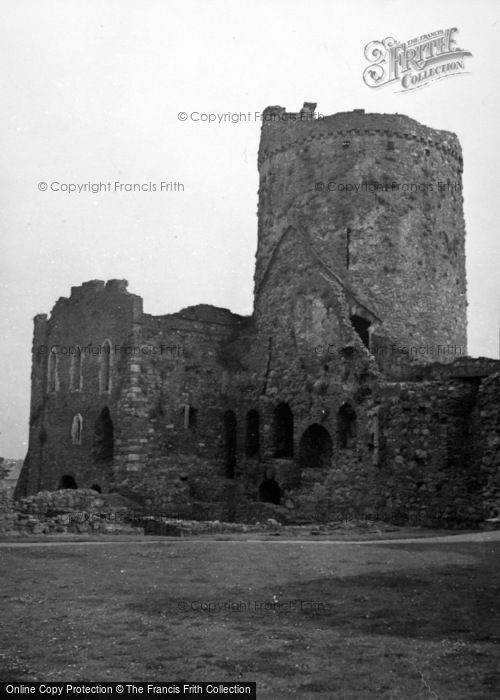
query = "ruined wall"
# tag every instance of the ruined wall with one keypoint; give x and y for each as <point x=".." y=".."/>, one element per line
<point x="426" y="472"/>
<point x="84" y="333"/>
<point x="172" y="452"/>
<point x="424" y="453"/>
<point x="166" y="379"/>
<point x="400" y="253"/>
<point x="173" y="378"/>
<point x="307" y="356"/>
<point x="485" y="445"/>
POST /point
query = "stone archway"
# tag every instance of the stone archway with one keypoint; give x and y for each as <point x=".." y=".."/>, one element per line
<point x="270" y="492"/>
<point x="67" y="482"/>
<point x="315" y="448"/>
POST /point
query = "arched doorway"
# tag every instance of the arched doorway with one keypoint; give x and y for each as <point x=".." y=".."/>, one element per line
<point x="230" y="425"/>
<point x="96" y="487"/>
<point x="67" y="482"/>
<point x="283" y="431"/>
<point x="103" y="448"/>
<point x="315" y="449"/>
<point x="269" y="491"/>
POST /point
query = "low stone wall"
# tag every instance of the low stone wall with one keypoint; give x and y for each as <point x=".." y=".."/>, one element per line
<point x="82" y="511"/>
<point x="77" y="511"/>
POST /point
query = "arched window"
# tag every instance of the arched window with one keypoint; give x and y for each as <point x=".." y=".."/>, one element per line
<point x="75" y="371"/>
<point x="230" y="426"/>
<point x="283" y="431"/>
<point x="346" y="423"/>
<point x="105" y="369"/>
<point x="96" y="488"/>
<point x="52" y="378"/>
<point x="103" y="448"/>
<point x="190" y="416"/>
<point x="67" y="482"/>
<point x="374" y="444"/>
<point x="76" y="429"/>
<point x="315" y="449"/>
<point x="252" y="434"/>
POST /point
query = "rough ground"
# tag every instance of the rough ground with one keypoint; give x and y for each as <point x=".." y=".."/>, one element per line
<point x="305" y="619"/>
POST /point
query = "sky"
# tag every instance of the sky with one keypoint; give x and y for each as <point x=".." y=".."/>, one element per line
<point x="92" y="91"/>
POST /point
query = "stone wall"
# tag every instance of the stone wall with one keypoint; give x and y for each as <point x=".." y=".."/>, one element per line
<point x="71" y="349"/>
<point x="172" y="410"/>
<point x="425" y="469"/>
<point x="6" y="498"/>
<point x="485" y="445"/>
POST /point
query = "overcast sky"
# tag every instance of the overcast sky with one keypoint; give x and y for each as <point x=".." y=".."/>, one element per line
<point x="91" y="91"/>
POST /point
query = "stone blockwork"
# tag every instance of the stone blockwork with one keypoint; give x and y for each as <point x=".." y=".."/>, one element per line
<point x="425" y="471"/>
<point x="347" y="393"/>
<point x="77" y="373"/>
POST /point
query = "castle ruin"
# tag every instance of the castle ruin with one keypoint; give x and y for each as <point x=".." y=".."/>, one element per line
<point x="348" y="391"/>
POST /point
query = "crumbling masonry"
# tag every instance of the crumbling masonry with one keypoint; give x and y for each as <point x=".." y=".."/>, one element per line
<point x="348" y="392"/>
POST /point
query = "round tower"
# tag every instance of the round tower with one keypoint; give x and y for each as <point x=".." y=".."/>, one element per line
<point x="377" y="200"/>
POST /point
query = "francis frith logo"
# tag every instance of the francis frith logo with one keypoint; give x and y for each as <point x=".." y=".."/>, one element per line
<point x="414" y="63"/>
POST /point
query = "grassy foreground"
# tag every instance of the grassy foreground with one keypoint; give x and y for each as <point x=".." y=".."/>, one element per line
<point x="305" y="620"/>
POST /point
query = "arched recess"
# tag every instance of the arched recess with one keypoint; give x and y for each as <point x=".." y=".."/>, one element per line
<point x="252" y="434"/>
<point x="67" y="482"/>
<point x="230" y="426"/>
<point x="269" y="491"/>
<point x="77" y="429"/>
<point x="346" y="425"/>
<point x="103" y="448"/>
<point x="105" y="367"/>
<point x="52" y="372"/>
<point x="315" y="448"/>
<point x="283" y="431"/>
<point x="75" y="371"/>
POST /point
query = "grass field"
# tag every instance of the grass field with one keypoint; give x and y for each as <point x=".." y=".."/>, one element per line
<point x="304" y="620"/>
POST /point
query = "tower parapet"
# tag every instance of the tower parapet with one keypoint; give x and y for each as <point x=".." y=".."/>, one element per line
<point x="282" y="130"/>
